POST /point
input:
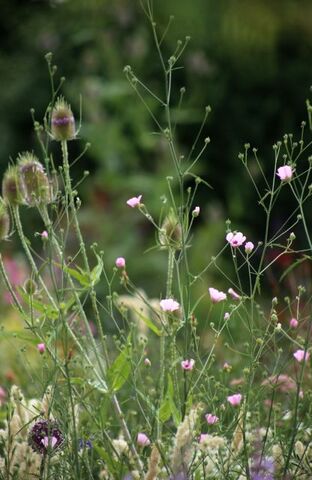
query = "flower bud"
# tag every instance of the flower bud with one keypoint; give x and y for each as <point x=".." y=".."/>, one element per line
<point x="4" y="221"/>
<point x="33" y="181"/>
<point x="170" y="234"/>
<point x="10" y="187"/>
<point x="62" y="121"/>
<point x="30" y="286"/>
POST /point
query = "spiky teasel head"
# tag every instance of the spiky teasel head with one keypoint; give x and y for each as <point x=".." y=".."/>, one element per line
<point x="4" y="220"/>
<point x="33" y="181"/>
<point x="62" y="121"/>
<point x="10" y="186"/>
<point x="170" y="234"/>
<point x="45" y="437"/>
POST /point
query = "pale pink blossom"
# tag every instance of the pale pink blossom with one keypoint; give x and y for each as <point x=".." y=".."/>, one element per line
<point x="147" y="362"/>
<point x="216" y="296"/>
<point x="233" y="294"/>
<point x="169" y="305"/>
<point x="203" y="437"/>
<point x="301" y="355"/>
<point x="143" y="440"/>
<point x="285" y="173"/>
<point x="226" y="316"/>
<point x="41" y="347"/>
<point x="249" y="246"/>
<point x="211" y="419"/>
<point x="49" y="441"/>
<point x="293" y="323"/>
<point x="227" y="366"/>
<point x="120" y="262"/>
<point x="44" y="235"/>
<point x="134" y="201"/>
<point x="196" y="211"/>
<point x="188" y="364"/>
<point x="235" y="399"/>
<point x="235" y="239"/>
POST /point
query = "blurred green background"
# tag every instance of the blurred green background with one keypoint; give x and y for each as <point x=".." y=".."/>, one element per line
<point x="249" y="60"/>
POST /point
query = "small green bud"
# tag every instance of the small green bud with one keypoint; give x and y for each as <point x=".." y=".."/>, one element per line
<point x="33" y="181"/>
<point x="4" y="221"/>
<point x="30" y="286"/>
<point x="62" y="121"/>
<point x="10" y="187"/>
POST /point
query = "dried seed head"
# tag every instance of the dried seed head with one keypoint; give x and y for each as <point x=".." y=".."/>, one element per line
<point x="4" y="221"/>
<point x="170" y="234"/>
<point x="33" y="181"/>
<point x="10" y="187"/>
<point x="62" y="121"/>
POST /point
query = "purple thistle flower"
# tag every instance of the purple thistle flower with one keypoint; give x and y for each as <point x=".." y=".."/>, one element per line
<point x="45" y="437"/>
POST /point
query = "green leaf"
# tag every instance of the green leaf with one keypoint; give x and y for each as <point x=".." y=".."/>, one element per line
<point x="97" y="271"/>
<point x="168" y="408"/>
<point x="36" y="305"/>
<point x="97" y="385"/>
<point x="164" y="412"/>
<point x="148" y="322"/>
<point x="108" y="458"/>
<point x="119" y="371"/>
<point x="81" y="277"/>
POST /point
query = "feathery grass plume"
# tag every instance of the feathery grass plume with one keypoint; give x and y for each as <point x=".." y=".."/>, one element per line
<point x="170" y="234"/>
<point x="19" y="460"/>
<point x="183" y="449"/>
<point x="4" y="221"/>
<point x="153" y="464"/>
<point x="34" y="182"/>
<point x="62" y="121"/>
<point x="10" y="186"/>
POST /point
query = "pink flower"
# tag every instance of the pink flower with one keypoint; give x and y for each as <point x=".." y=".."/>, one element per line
<point x="226" y="316"/>
<point x="134" y="201"/>
<point x="49" y="442"/>
<point x="235" y="239"/>
<point x="301" y="355"/>
<point x="233" y="294"/>
<point x="120" y="262"/>
<point x="169" y="305"/>
<point x="235" y="399"/>
<point x="203" y="437"/>
<point x="41" y="347"/>
<point x="293" y="323"/>
<point x="143" y="440"/>
<point x="249" y="246"/>
<point x="147" y="362"/>
<point x="44" y="235"/>
<point x="285" y="173"/>
<point x="196" y="211"/>
<point x="188" y="364"/>
<point x="216" y="296"/>
<point x="227" y="367"/>
<point x="211" y="419"/>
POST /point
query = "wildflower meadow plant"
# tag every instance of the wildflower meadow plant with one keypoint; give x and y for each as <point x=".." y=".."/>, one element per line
<point x="193" y="384"/>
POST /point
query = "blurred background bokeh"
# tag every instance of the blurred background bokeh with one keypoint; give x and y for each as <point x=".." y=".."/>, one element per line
<point x="249" y="60"/>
